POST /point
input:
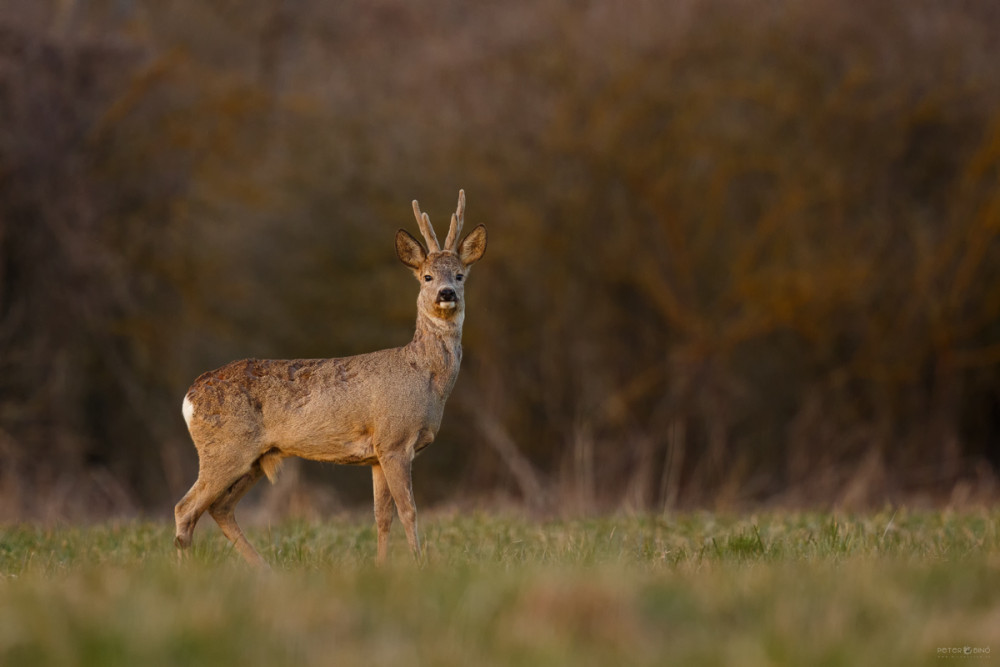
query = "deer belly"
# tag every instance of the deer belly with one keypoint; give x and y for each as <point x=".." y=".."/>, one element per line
<point x="345" y="448"/>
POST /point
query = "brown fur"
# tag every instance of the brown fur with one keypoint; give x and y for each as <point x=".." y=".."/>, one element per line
<point x="270" y="463"/>
<point x="377" y="409"/>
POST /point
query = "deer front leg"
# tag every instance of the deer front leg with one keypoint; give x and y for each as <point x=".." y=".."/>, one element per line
<point x="383" y="512"/>
<point x="396" y="469"/>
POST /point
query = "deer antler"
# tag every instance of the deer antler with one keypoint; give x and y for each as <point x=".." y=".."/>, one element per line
<point x="457" y="220"/>
<point x="424" y="221"/>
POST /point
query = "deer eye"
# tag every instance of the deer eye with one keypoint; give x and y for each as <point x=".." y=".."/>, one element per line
<point x="428" y="278"/>
<point x="460" y="277"/>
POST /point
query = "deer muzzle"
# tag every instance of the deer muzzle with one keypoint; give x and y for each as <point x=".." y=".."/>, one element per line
<point x="447" y="298"/>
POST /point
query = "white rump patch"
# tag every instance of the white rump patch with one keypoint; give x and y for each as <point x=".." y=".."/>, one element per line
<point x="187" y="408"/>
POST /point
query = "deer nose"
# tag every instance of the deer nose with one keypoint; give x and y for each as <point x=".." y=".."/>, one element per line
<point x="447" y="294"/>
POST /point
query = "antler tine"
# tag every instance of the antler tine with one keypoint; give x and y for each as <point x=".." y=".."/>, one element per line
<point x="424" y="222"/>
<point x="457" y="220"/>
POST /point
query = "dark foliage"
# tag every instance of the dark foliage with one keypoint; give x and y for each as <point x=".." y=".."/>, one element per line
<point x="740" y="251"/>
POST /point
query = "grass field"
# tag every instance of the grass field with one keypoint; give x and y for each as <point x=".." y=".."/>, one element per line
<point x="890" y="588"/>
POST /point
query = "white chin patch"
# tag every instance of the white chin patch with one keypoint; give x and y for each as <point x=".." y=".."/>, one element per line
<point x="447" y="305"/>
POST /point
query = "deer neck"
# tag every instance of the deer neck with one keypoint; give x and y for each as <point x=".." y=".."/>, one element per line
<point x="437" y="347"/>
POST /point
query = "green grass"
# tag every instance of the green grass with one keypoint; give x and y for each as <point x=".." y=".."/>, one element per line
<point x="890" y="588"/>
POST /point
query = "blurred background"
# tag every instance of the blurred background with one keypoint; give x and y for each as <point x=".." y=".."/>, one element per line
<point x="741" y="252"/>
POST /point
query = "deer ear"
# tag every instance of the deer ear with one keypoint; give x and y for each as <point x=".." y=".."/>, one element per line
<point x="409" y="250"/>
<point x="473" y="247"/>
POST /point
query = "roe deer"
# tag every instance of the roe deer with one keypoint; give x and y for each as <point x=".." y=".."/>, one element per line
<point x="377" y="409"/>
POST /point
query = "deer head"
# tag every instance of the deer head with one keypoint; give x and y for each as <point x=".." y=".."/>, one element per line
<point x="442" y="271"/>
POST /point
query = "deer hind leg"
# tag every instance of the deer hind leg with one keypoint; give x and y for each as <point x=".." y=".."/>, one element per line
<point x="223" y="510"/>
<point x="190" y="508"/>
<point x="396" y="469"/>
<point x="213" y="481"/>
<point x="383" y="512"/>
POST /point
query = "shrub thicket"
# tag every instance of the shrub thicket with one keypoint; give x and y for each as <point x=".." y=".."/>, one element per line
<point x="739" y="251"/>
